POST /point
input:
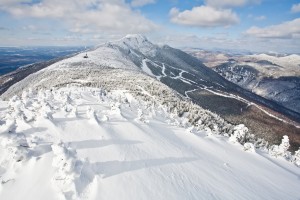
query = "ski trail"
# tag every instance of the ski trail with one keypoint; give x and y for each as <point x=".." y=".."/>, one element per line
<point x="164" y="70"/>
<point x="190" y="91"/>
<point x="146" y="69"/>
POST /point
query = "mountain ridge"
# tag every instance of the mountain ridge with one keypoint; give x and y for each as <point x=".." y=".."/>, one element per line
<point x="134" y="55"/>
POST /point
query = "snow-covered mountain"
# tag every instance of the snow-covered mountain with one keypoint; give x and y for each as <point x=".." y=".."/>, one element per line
<point x="287" y="65"/>
<point x="125" y="123"/>
<point x="275" y="78"/>
<point x="134" y="53"/>
<point x="133" y="62"/>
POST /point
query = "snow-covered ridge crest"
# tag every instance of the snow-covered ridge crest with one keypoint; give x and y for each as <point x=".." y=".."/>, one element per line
<point x="129" y="63"/>
<point x="138" y="37"/>
<point x="135" y="43"/>
<point x="124" y="54"/>
<point x="290" y="62"/>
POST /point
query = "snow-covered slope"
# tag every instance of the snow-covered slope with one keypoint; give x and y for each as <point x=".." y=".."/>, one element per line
<point x="87" y="143"/>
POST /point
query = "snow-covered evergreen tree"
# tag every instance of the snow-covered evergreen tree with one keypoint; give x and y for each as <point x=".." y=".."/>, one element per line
<point x="68" y="168"/>
<point x="296" y="158"/>
<point x="249" y="147"/>
<point x="282" y="149"/>
<point x="239" y="134"/>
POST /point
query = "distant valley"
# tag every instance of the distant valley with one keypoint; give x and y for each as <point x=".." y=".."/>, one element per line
<point x="11" y="58"/>
<point x="273" y="76"/>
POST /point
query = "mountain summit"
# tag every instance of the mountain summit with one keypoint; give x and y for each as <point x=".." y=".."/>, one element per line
<point x="137" y="37"/>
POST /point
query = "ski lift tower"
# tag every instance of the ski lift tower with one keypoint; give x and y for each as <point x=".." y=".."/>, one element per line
<point x="85" y="56"/>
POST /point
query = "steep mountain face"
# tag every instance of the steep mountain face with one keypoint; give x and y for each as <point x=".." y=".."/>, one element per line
<point x="243" y="75"/>
<point x="282" y="89"/>
<point x="134" y="62"/>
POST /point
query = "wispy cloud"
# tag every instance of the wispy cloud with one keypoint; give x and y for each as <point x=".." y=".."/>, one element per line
<point x="84" y="16"/>
<point x="230" y="3"/>
<point x="285" y="30"/>
<point x="260" y="18"/>
<point x="225" y="43"/>
<point x="295" y="8"/>
<point x="204" y="16"/>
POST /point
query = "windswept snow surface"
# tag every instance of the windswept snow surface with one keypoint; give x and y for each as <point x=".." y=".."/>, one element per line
<point x="86" y="143"/>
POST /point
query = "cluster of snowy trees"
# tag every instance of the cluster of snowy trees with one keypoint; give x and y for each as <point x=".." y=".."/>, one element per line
<point x="282" y="151"/>
<point x="131" y="80"/>
<point x="11" y="140"/>
<point x="183" y="112"/>
<point x="18" y="146"/>
<point x="68" y="169"/>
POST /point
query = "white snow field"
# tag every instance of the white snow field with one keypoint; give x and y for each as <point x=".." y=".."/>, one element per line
<point x="86" y="143"/>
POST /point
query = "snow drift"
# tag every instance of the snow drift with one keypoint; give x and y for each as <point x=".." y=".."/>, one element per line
<point x="87" y="143"/>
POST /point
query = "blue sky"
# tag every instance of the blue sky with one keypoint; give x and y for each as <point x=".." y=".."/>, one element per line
<point x="256" y="25"/>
